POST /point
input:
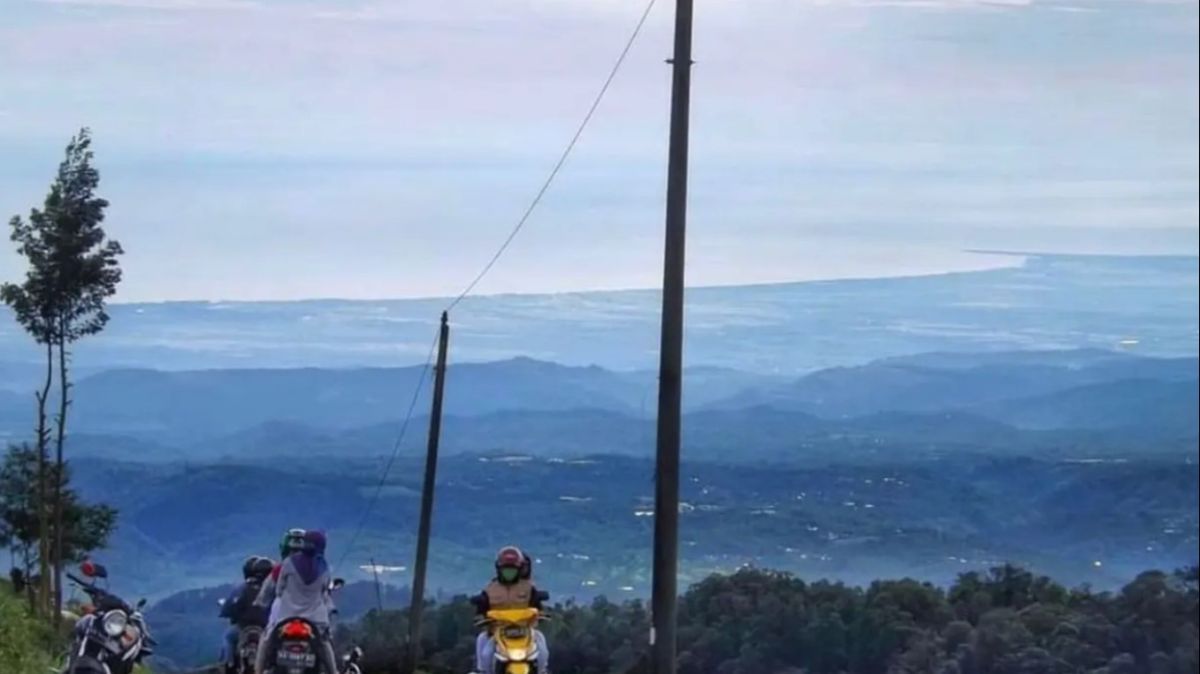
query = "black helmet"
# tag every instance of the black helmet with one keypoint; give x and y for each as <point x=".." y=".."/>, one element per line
<point x="262" y="568"/>
<point x="248" y="567"/>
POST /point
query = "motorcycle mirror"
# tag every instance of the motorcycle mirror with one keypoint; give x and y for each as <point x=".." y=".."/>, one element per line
<point x="141" y="604"/>
<point x="338" y="583"/>
<point x="94" y="570"/>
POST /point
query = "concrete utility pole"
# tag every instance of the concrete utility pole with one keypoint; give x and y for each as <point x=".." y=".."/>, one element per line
<point x="670" y="369"/>
<point x="413" y="652"/>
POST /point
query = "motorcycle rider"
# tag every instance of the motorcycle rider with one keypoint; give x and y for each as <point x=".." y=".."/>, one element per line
<point x="240" y="607"/>
<point x="292" y="541"/>
<point x="512" y="588"/>
<point x="301" y="590"/>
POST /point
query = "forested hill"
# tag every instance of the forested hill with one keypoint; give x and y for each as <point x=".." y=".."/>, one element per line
<point x="1002" y="621"/>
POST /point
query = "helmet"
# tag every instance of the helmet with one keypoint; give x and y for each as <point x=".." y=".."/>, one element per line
<point x="293" y="540"/>
<point x="248" y="567"/>
<point x="261" y="568"/>
<point x="314" y="541"/>
<point x="527" y="566"/>
<point x="510" y="562"/>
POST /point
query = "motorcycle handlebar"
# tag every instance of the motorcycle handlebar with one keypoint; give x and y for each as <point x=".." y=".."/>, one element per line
<point x="84" y="585"/>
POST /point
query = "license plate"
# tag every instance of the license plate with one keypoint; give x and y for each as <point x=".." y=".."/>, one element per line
<point x="295" y="659"/>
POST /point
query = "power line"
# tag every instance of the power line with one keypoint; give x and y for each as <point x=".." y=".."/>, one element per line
<point x="512" y="235"/>
<point x="412" y="406"/>
<point x="562" y="159"/>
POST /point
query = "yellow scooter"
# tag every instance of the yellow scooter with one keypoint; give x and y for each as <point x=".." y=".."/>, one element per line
<point x="512" y="632"/>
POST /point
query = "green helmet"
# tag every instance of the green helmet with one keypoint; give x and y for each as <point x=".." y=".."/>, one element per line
<point x="293" y="540"/>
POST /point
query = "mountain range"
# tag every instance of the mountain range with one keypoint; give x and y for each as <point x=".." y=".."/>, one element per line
<point x="1025" y="401"/>
<point x="1044" y="414"/>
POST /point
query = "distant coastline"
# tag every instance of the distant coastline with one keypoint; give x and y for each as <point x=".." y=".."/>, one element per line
<point x="972" y="260"/>
<point x="999" y="301"/>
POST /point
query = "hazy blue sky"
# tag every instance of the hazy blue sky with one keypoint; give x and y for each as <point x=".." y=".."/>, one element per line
<point x="293" y="148"/>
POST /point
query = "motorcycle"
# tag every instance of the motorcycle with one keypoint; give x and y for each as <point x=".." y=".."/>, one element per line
<point x="248" y="639"/>
<point x="297" y="644"/>
<point x="512" y="632"/>
<point x="350" y="661"/>
<point x="112" y="637"/>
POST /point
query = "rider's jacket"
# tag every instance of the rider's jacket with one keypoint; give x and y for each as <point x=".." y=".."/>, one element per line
<point x="500" y="596"/>
<point x="241" y="609"/>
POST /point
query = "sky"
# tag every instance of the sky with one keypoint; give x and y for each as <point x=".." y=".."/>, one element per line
<point x="283" y="149"/>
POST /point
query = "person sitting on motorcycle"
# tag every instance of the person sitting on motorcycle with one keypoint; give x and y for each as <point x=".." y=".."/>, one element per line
<point x="302" y="590"/>
<point x="240" y="607"/>
<point x="292" y="541"/>
<point x="512" y="588"/>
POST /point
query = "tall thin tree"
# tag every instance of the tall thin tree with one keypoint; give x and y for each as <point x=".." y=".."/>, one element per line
<point x="76" y="271"/>
<point x="86" y="273"/>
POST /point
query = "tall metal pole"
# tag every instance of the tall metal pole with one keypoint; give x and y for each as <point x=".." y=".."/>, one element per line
<point x="378" y="590"/>
<point x="670" y="376"/>
<point x="413" y="652"/>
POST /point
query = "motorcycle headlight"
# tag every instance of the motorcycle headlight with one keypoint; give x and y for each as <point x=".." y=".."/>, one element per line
<point x="114" y="623"/>
<point x="517" y="654"/>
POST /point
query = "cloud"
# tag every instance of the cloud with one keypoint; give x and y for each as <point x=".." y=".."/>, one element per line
<point x="382" y="148"/>
<point x="168" y="5"/>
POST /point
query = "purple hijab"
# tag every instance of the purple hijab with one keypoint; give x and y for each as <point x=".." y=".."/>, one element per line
<point x="310" y="562"/>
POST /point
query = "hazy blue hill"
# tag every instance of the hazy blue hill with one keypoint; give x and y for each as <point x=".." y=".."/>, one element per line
<point x="932" y="382"/>
<point x="1058" y="358"/>
<point x="125" y="448"/>
<point x="215" y="413"/>
<point x="15" y="410"/>
<point x="878" y="387"/>
<point x="181" y="406"/>
<point x="754" y="434"/>
<point x="1061" y="403"/>
<point x="1157" y="407"/>
<point x="587" y="519"/>
<point x="941" y="427"/>
<point x="1089" y="365"/>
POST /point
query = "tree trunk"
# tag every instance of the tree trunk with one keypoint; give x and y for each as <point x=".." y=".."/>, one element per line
<point x="64" y="390"/>
<point x="30" y="592"/>
<point x="43" y="439"/>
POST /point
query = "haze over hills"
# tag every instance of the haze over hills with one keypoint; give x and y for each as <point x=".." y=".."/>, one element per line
<point x="993" y="463"/>
<point x="1043" y="302"/>
<point x="1044" y="414"/>
<point x="936" y="401"/>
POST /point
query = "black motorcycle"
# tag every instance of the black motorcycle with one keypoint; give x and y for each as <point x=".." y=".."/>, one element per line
<point x="350" y="661"/>
<point x="249" y="637"/>
<point x="248" y="641"/>
<point x="112" y="638"/>
<point x="298" y="643"/>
